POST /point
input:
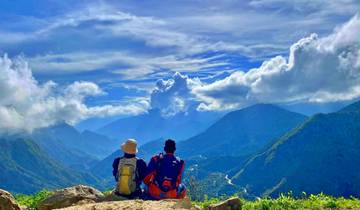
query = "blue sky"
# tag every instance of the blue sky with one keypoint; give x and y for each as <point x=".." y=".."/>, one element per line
<point x="125" y="47"/>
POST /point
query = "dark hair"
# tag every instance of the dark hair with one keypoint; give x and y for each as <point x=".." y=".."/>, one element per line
<point x="170" y="146"/>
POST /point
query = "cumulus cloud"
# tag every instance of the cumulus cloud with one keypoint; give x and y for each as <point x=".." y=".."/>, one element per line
<point x="317" y="70"/>
<point x="26" y="105"/>
<point x="174" y="95"/>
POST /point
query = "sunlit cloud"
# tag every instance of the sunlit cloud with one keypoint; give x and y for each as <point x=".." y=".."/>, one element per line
<point x="26" y="105"/>
<point x="317" y="70"/>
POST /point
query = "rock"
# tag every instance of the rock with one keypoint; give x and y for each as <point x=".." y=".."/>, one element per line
<point x="230" y="204"/>
<point x="83" y="202"/>
<point x="7" y="201"/>
<point x="196" y="207"/>
<point x="183" y="203"/>
<point x="113" y="197"/>
<point x="133" y="205"/>
<point x="71" y="196"/>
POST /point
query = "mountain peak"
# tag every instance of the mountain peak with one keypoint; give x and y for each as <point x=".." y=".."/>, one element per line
<point x="243" y="131"/>
<point x="354" y="107"/>
<point x="262" y="110"/>
<point x="262" y="107"/>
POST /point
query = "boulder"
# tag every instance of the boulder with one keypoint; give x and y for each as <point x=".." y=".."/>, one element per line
<point x="71" y="196"/>
<point x="229" y="204"/>
<point x="7" y="201"/>
<point x="133" y="205"/>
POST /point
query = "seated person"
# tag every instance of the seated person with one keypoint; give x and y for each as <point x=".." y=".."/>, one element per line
<point x="129" y="172"/>
<point x="164" y="175"/>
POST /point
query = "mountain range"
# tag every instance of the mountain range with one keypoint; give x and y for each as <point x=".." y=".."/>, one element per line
<point x="153" y="125"/>
<point x="237" y="135"/>
<point x="321" y="155"/>
<point x="26" y="168"/>
<point x="53" y="157"/>
<point x="242" y="132"/>
<point x="72" y="148"/>
<point x="262" y="150"/>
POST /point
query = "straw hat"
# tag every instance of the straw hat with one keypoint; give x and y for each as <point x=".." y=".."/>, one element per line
<point x="130" y="147"/>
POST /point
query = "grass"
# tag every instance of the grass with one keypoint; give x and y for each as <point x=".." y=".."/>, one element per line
<point x="283" y="202"/>
<point x="287" y="202"/>
<point x="31" y="201"/>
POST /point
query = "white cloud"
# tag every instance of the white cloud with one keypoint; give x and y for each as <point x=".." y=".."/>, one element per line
<point x="83" y="89"/>
<point x="176" y="34"/>
<point x="317" y="70"/>
<point x="171" y="39"/>
<point x="321" y="7"/>
<point x="25" y="104"/>
<point x="174" y="95"/>
<point x="126" y="65"/>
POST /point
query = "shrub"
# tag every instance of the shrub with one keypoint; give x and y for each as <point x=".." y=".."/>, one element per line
<point x="31" y="201"/>
<point x="288" y="202"/>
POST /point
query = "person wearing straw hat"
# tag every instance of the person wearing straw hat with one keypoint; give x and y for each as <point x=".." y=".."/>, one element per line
<point x="129" y="171"/>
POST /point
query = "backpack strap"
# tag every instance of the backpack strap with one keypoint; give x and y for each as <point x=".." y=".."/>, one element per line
<point x="117" y="168"/>
<point x="159" y="161"/>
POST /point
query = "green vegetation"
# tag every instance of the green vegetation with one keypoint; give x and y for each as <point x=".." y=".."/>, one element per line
<point x="285" y="202"/>
<point x="33" y="200"/>
<point x="288" y="202"/>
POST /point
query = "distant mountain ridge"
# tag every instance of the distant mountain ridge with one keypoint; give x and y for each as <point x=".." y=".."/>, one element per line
<point x="263" y="149"/>
<point x="26" y="168"/>
<point x="354" y="107"/>
<point x="242" y="132"/>
<point x="72" y="148"/>
<point x="236" y="136"/>
<point x="322" y="155"/>
<point x="153" y="125"/>
<point x="52" y="157"/>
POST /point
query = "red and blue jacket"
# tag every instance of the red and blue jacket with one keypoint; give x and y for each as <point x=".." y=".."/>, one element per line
<point x="165" y="171"/>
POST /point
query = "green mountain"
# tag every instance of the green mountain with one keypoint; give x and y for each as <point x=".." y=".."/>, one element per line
<point x="354" y="107"/>
<point x="88" y="142"/>
<point x="230" y="141"/>
<point x="26" y="168"/>
<point x="321" y="155"/>
<point x="72" y="148"/>
<point x="242" y="132"/>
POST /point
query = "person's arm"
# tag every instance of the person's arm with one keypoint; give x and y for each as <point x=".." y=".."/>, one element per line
<point x="115" y="166"/>
<point x="151" y="170"/>
<point x="182" y="166"/>
<point x="142" y="169"/>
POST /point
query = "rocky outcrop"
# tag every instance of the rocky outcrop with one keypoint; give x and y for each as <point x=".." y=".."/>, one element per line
<point x="87" y="198"/>
<point x="77" y="195"/>
<point x="230" y="204"/>
<point x="135" y="205"/>
<point x="7" y="201"/>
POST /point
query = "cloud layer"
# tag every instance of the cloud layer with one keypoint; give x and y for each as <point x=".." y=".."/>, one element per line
<point x="122" y="41"/>
<point x="317" y="70"/>
<point x="26" y="105"/>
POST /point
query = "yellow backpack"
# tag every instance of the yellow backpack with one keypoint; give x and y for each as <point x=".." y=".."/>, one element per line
<point x="126" y="176"/>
